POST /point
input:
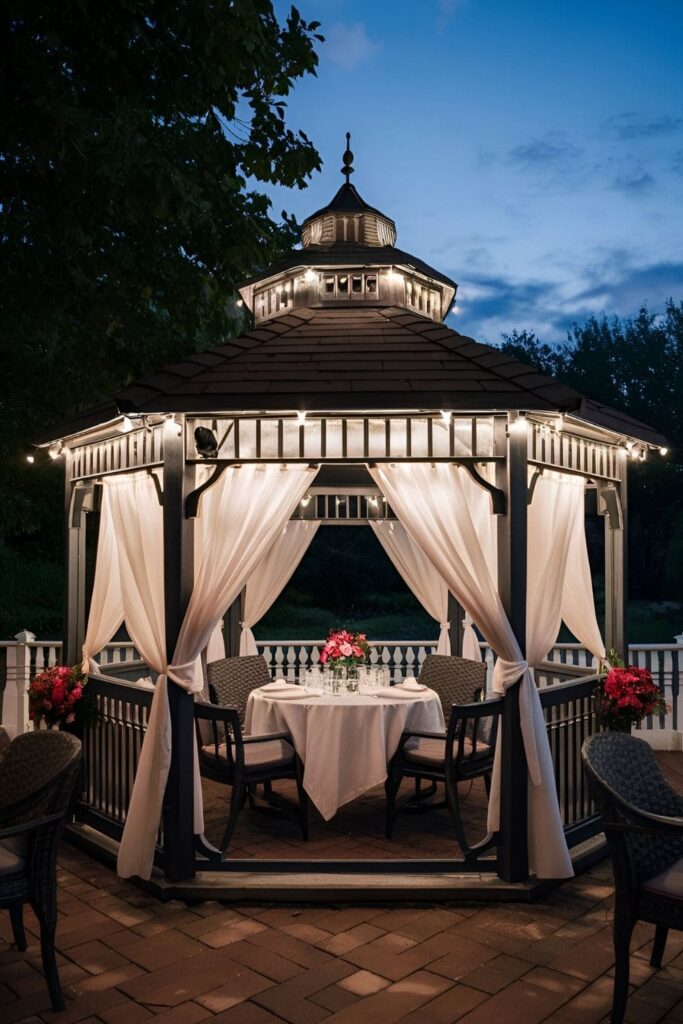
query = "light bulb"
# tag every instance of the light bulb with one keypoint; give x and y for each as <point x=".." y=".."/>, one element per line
<point x="518" y="426"/>
<point x="629" y="446"/>
<point x="663" y="451"/>
<point x="239" y="303"/>
<point x="31" y="459"/>
<point x="374" y="502"/>
<point x="310" y="276"/>
<point x="446" y="415"/>
<point x="55" y="451"/>
<point x="126" y="425"/>
<point x="306" y="501"/>
<point x="301" y="417"/>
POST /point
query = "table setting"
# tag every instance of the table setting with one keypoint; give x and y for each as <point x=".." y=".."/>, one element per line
<point x="345" y="721"/>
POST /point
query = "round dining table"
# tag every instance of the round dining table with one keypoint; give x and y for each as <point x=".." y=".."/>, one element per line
<point x="345" y="741"/>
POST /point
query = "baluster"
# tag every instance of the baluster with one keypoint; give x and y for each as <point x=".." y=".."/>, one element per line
<point x="291" y="663"/>
<point x="279" y="662"/>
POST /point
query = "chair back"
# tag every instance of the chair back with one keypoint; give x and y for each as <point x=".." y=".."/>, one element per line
<point x="219" y="740"/>
<point x="471" y="737"/>
<point x="455" y="680"/>
<point x="231" y="680"/>
<point x="38" y="776"/>
<point x="625" y="778"/>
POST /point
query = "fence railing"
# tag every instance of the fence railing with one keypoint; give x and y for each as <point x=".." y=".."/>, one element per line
<point x="20" y="660"/>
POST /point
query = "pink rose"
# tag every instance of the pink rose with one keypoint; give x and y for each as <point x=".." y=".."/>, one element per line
<point x="346" y="650"/>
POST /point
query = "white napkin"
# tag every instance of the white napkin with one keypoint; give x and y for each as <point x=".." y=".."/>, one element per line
<point x="278" y="684"/>
<point x="411" y="683"/>
<point x="396" y="691"/>
<point x="292" y="693"/>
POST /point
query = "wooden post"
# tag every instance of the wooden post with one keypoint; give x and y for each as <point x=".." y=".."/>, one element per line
<point x="513" y="857"/>
<point x="232" y="627"/>
<point x="75" y="510"/>
<point x="178" y="580"/>
<point x="616" y="565"/>
<point x="456" y="613"/>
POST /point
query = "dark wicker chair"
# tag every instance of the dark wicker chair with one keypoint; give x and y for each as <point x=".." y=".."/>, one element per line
<point x="643" y="821"/>
<point x="37" y="780"/>
<point x="242" y="762"/>
<point x="465" y="752"/>
<point x="456" y="680"/>
<point x="231" y="680"/>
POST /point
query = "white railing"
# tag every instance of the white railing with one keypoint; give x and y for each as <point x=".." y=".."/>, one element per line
<point x="22" y="658"/>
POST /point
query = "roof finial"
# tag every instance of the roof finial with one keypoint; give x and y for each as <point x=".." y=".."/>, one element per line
<point x="347" y="169"/>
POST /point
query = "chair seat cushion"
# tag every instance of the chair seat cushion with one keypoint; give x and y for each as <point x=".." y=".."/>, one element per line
<point x="10" y="862"/>
<point x="269" y="754"/>
<point x="668" y="883"/>
<point x="432" y="752"/>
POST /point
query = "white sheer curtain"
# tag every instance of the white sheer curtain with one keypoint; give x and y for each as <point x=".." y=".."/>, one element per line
<point x="270" y="577"/>
<point x="106" y="604"/>
<point x="442" y="508"/>
<point x="418" y="573"/>
<point x="470" y="640"/>
<point x="242" y="514"/>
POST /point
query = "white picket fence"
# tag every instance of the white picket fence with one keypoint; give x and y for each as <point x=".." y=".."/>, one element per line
<point x="23" y="657"/>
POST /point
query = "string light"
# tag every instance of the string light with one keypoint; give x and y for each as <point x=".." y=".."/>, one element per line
<point x="31" y="459"/>
<point x="239" y="303"/>
<point x="55" y="451"/>
<point x="310" y="276"/>
<point x="519" y="426"/>
<point x="301" y="417"/>
<point x="126" y="425"/>
<point x="305" y="502"/>
<point x="663" y="451"/>
<point x="373" y="501"/>
<point x="446" y="415"/>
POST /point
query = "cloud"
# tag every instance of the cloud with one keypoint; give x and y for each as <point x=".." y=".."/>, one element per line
<point x="612" y="284"/>
<point x="551" y="150"/>
<point x="677" y="163"/>
<point x="349" y="45"/>
<point x="628" y="126"/>
<point x="633" y="184"/>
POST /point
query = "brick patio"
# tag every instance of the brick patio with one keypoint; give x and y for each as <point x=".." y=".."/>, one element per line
<point x="125" y="958"/>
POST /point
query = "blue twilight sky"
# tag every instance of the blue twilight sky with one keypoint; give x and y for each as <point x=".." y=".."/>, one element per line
<point x="533" y="151"/>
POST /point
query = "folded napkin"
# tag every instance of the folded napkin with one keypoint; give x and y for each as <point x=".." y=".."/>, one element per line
<point x="397" y="691"/>
<point x="410" y="683"/>
<point x="292" y="693"/>
<point x="278" y="684"/>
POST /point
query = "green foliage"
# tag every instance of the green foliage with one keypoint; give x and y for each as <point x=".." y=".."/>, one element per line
<point x="634" y="364"/>
<point x="135" y="135"/>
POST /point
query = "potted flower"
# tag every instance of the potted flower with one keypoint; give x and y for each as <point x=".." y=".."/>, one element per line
<point x="625" y="695"/>
<point x="56" y="696"/>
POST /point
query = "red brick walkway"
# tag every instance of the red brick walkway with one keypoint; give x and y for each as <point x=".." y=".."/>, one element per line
<point x="126" y="958"/>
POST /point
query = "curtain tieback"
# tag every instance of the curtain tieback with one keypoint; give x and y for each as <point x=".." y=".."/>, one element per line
<point x="444" y="625"/>
<point x="505" y="675"/>
<point x="187" y="675"/>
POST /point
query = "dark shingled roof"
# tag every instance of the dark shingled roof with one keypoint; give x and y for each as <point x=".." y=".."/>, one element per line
<point x="346" y="200"/>
<point x="376" y="359"/>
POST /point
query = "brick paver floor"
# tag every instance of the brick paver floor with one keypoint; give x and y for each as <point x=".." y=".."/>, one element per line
<point x="127" y="958"/>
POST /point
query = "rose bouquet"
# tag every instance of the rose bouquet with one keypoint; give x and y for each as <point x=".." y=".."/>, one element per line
<point x="344" y="648"/>
<point x="57" y="697"/>
<point x="627" y="695"/>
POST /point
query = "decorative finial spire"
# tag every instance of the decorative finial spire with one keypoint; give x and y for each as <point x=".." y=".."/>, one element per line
<point x="347" y="169"/>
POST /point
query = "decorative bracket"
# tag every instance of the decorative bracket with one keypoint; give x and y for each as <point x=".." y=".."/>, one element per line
<point x="498" y="502"/>
<point x="193" y="498"/>
<point x="532" y="486"/>
<point x="609" y="504"/>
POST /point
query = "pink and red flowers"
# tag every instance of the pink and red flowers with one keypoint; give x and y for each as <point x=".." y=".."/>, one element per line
<point x="626" y="696"/>
<point x="345" y="648"/>
<point x="54" y="694"/>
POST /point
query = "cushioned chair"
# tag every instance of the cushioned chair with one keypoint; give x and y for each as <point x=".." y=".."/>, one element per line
<point x="242" y="762"/>
<point x="465" y="752"/>
<point x="231" y="680"/>
<point x="643" y="821"/>
<point x="455" y="680"/>
<point x="37" y="780"/>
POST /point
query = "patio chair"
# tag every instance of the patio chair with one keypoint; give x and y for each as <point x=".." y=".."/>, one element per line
<point x="37" y="780"/>
<point x="455" y="680"/>
<point x="643" y="822"/>
<point x="464" y="753"/>
<point x="231" y="680"/>
<point x="242" y="762"/>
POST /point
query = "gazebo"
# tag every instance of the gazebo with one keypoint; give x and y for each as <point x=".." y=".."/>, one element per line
<point x="348" y="400"/>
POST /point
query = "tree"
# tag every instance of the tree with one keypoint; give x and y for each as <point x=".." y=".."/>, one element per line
<point x="135" y="134"/>
<point x="634" y="364"/>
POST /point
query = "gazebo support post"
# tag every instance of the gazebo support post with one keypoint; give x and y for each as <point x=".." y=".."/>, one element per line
<point x="178" y="580"/>
<point x="456" y="613"/>
<point x="232" y="628"/>
<point x="616" y="568"/>
<point x="513" y="855"/>
<point x="74" y="559"/>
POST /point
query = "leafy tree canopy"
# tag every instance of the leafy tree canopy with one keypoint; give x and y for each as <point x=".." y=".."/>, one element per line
<point x="634" y="364"/>
<point x="135" y="134"/>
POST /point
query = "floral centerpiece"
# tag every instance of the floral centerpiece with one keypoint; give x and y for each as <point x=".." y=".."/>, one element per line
<point x="345" y="649"/>
<point x="625" y="695"/>
<point x="57" y="697"/>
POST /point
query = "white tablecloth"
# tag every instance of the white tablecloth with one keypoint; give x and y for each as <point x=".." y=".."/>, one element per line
<point x="345" y="741"/>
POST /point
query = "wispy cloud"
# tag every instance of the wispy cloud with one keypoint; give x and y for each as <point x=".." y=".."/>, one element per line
<point x="349" y="45"/>
<point x="633" y="184"/>
<point x="550" y="151"/>
<point x="630" y="125"/>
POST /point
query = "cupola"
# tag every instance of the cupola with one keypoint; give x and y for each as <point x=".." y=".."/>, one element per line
<point x="348" y="258"/>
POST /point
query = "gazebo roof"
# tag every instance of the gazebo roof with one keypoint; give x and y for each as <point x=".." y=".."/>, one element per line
<point x="353" y="359"/>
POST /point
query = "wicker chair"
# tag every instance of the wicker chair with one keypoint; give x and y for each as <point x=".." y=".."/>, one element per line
<point x="231" y="680"/>
<point x="37" y="780"/>
<point x="242" y="762"/>
<point x="465" y="752"/>
<point x="455" y="680"/>
<point x="643" y="822"/>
